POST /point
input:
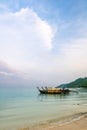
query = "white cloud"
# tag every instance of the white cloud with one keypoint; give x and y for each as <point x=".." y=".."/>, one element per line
<point x="23" y="36"/>
<point x="6" y="74"/>
<point x="65" y="66"/>
<point x="73" y="57"/>
<point x="26" y="42"/>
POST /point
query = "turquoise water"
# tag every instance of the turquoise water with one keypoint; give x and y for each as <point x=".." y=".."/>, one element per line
<point x="20" y="107"/>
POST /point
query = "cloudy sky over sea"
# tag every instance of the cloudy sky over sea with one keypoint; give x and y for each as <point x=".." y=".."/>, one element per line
<point x="43" y="40"/>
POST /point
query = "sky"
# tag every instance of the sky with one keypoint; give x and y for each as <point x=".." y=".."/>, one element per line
<point x="43" y="42"/>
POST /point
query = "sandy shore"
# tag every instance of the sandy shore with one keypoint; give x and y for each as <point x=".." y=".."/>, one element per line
<point x="75" y="122"/>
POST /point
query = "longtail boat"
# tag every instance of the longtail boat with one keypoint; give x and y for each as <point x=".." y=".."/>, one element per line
<point x="46" y="90"/>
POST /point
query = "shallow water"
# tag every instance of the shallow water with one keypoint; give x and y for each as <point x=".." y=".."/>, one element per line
<point x="25" y="106"/>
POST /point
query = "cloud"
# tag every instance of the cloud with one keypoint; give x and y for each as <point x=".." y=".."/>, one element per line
<point x="27" y="44"/>
<point x="11" y="77"/>
<point x="23" y="36"/>
<point x="6" y="74"/>
<point x="39" y="30"/>
<point x="70" y="63"/>
<point x="72" y="59"/>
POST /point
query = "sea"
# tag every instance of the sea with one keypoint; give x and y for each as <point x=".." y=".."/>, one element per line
<point x="25" y="106"/>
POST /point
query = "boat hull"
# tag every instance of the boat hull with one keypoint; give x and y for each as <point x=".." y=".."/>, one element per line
<point x="60" y="91"/>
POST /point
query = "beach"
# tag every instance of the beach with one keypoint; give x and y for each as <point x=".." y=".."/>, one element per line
<point x="74" y="122"/>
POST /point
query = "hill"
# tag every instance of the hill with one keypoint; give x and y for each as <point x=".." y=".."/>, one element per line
<point x="80" y="82"/>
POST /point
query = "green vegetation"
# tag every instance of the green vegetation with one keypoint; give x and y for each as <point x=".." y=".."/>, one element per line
<point x="80" y="82"/>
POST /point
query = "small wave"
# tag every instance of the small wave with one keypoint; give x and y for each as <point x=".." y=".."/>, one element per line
<point x="72" y="119"/>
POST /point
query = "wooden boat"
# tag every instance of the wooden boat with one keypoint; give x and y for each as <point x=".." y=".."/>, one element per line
<point x="47" y="90"/>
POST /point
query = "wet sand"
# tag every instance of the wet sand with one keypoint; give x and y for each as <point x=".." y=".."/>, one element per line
<point x="74" y="122"/>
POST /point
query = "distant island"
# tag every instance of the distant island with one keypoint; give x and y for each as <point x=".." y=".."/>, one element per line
<point x="78" y="83"/>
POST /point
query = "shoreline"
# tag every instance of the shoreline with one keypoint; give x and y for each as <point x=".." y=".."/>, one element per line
<point x="74" y="122"/>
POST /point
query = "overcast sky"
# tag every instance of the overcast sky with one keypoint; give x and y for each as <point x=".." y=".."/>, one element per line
<point x="43" y="40"/>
